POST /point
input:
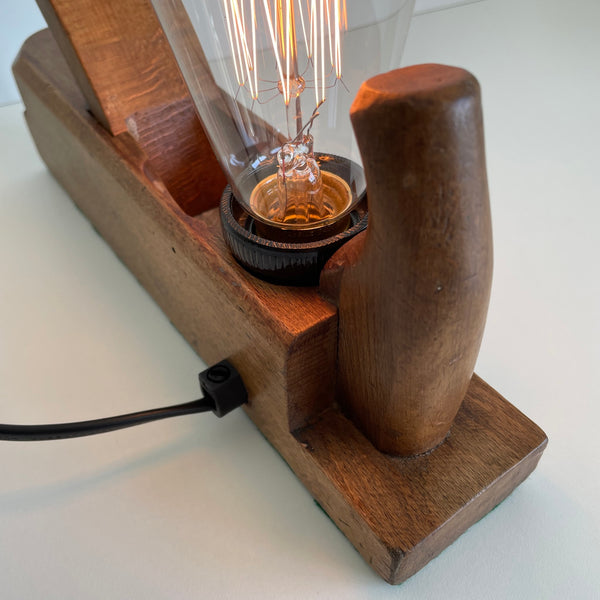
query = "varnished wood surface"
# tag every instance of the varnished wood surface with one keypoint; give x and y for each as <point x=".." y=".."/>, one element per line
<point x="181" y="260"/>
<point x="413" y="301"/>
<point x="415" y="507"/>
<point x="176" y="146"/>
<point x="126" y="71"/>
<point x="118" y="53"/>
<point x="283" y="341"/>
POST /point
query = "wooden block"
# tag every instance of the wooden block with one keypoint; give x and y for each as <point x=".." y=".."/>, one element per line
<point x="399" y="513"/>
<point x="124" y="67"/>
<point x="181" y="260"/>
<point x="402" y="512"/>
<point x="118" y="53"/>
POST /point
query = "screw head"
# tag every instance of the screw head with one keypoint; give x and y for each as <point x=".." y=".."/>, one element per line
<point x="218" y="373"/>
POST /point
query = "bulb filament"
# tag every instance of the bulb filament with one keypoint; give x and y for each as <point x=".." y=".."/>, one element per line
<point x="298" y="193"/>
<point x="319" y="25"/>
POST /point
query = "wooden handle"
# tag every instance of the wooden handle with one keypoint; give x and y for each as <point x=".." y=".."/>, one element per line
<point x="413" y="291"/>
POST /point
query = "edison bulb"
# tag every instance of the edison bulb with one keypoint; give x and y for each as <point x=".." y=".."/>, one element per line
<point x="273" y="81"/>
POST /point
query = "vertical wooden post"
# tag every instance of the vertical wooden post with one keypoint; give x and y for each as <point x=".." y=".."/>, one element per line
<point x="413" y="291"/>
<point x="120" y="57"/>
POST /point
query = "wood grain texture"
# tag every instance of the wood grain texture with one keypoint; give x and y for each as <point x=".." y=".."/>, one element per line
<point x="176" y="146"/>
<point x="402" y="512"/>
<point x="118" y="54"/>
<point x="399" y="513"/>
<point x="181" y="260"/>
<point x="126" y="71"/>
<point x="413" y="292"/>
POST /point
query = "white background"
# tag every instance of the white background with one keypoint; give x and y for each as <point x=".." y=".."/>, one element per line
<point x="199" y="507"/>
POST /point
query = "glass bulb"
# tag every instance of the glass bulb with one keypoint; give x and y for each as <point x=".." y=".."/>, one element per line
<point x="273" y="81"/>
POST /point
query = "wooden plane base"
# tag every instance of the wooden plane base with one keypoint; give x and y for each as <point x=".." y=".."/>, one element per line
<point x="398" y="513"/>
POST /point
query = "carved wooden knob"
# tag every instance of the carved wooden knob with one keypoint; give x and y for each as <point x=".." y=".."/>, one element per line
<point x="413" y="290"/>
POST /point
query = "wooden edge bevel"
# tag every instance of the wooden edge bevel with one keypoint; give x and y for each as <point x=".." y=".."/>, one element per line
<point x="404" y="511"/>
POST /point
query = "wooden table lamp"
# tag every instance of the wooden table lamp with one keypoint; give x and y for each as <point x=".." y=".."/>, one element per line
<point x="362" y="379"/>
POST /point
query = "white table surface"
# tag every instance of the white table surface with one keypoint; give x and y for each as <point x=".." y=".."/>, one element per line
<point x="203" y="508"/>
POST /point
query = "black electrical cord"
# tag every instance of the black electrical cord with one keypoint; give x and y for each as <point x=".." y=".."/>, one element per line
<point x="59" y="431"/>
<point x="223" y="391"/>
